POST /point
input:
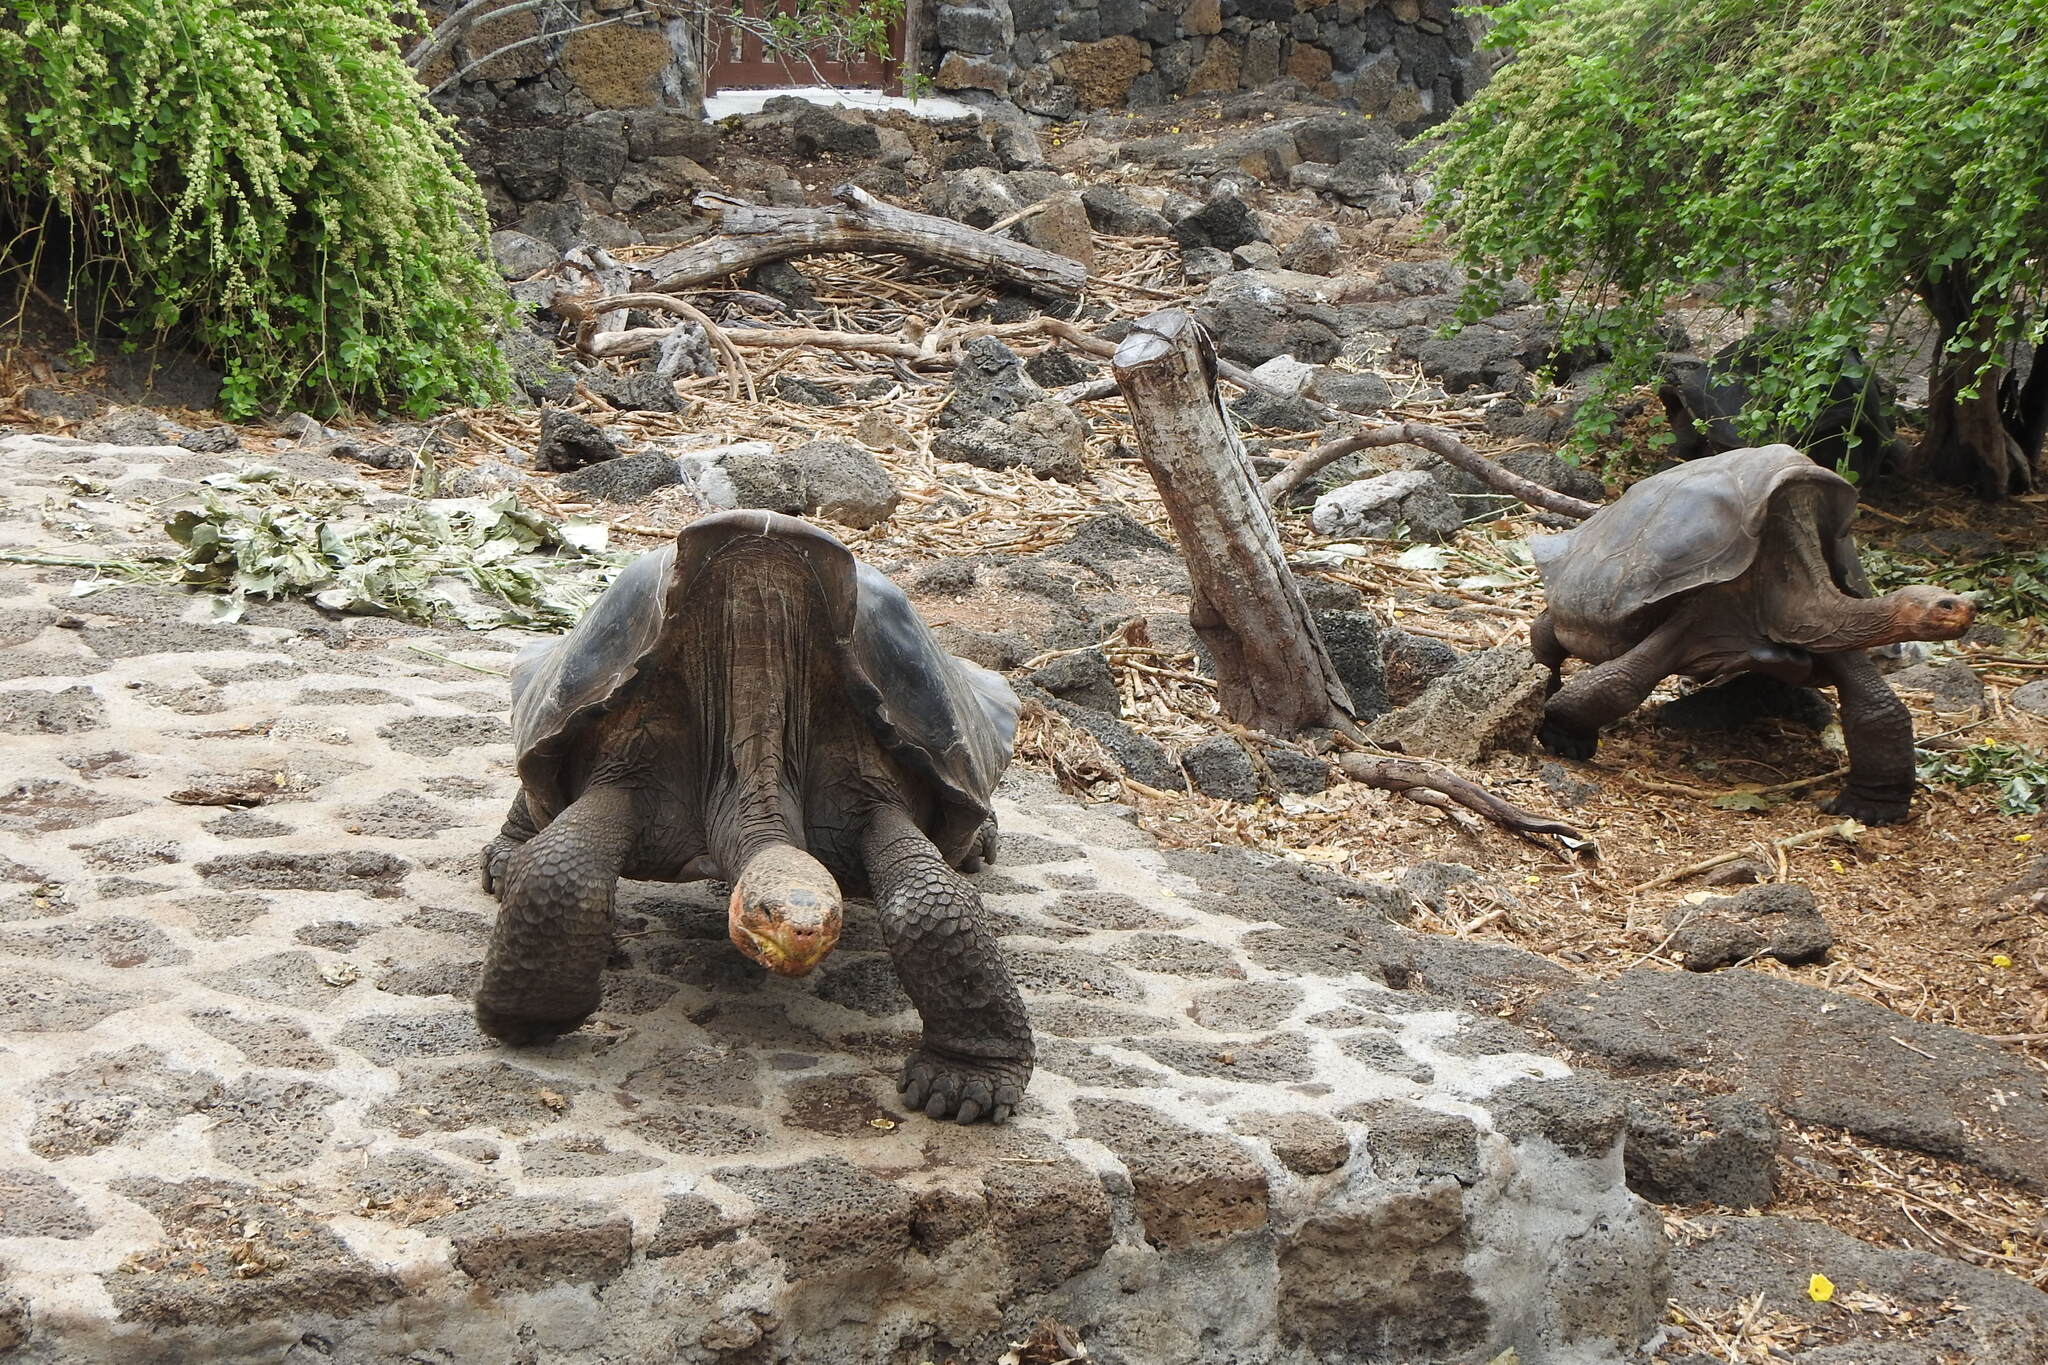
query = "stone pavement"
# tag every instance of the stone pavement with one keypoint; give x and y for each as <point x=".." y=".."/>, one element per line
<point x="245" y="1114"/>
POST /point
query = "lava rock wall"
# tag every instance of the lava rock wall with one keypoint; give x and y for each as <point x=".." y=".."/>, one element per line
<point x="1408" y="60"/>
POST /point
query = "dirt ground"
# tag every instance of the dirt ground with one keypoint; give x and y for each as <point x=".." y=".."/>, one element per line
<point x="1922" y="919"/>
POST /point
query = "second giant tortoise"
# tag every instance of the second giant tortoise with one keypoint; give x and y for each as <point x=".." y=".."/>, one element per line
<point x="753" y="705"/>
<point x="1739" y="563"/>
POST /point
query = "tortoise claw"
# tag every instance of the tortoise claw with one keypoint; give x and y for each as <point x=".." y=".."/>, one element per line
<point x="491" y="865"/>
<point x="1567" y="743"/>
<point x="1869" y="810"/>
<point x="958" y="1088"/>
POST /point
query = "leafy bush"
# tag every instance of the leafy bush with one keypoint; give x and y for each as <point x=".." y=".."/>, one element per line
<point x="262" y="179"/>
<point x="2019" y="774"/>
<point x="1823" y="157"/>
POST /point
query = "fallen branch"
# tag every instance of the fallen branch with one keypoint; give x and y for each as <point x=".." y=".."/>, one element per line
<point x="1846" y="831"/>
<point x="1438" y="442"/>
<point x="912" y="345"/>
<point x="586" y="312"/>
<point x="1087" y="391"/>
<point x="606" y="276"/>
<point x="1433" y="785"/>
<point x="936" y="347"/>
<point x="1028" y="211"/>
<point x="751" y="235"/>
<point x="640" y="340"/>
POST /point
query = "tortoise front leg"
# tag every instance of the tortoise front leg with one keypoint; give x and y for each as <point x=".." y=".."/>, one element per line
<point x="543" y="974"/>
<point x="1879" y="732"/>
<point x="977" y="1052"/>
<point x="1604" y="693"/>
<point x="518" y="828"/>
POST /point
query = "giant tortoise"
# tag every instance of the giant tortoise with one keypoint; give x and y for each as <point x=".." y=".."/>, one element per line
<point x="753" y="705"/>
<point x="1738" y="563"/>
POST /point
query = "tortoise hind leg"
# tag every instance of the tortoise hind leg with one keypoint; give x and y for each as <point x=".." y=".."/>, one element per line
<point x="977" y="1052"/>
<point x="1543" y="644"/>
<point x="543" y="974"/>
<point x="1604" y="693"/>
<point x="518" y="828"/>
<point x="1879" y="732"/>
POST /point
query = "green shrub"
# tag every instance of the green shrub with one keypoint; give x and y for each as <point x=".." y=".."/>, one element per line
<point x="1826" y="157"/>
<point x="262" y="180"/>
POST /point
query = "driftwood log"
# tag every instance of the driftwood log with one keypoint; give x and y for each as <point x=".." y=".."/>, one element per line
<point x="1432" y="784"/>
<point x="589" y="315"/>
<point x="601" y="276"/>
<point x="1438" y="442"/>
<point x="750" y="235"/>
<point x="1272" y="671"/>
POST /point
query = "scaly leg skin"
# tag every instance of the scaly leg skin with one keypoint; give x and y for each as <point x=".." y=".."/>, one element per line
<point x="1879" y="731"/>
<point x="543" y="974"/>
<point x="1543" y="644"/>
<point x="977" y="1052"/>
<point x="1604" y="693"/>
<point x="517" y="830"/>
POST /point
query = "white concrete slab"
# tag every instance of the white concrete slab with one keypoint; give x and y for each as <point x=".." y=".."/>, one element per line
<point x="728" y="102"/>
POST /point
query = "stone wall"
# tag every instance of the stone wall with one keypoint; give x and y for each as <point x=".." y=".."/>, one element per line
<point x="1408" y="60"/>
<point x="594" y="105"/>
<point x="576" y="59"/>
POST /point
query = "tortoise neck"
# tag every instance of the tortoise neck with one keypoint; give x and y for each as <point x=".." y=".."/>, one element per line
<point x="751" y="636"/>
<point x="738" y="836"/>
<point x="1838" y="623"/>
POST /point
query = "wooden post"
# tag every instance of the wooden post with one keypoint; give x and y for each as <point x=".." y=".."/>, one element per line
<point x="1272" y="672"/>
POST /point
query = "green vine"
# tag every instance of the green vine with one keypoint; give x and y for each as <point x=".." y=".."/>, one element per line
<point x="262" y="180"/>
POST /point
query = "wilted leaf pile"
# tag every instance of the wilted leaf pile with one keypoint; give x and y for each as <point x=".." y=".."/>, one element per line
<point x="476" y="562"/>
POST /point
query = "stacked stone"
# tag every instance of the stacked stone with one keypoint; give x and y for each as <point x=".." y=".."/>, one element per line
<point x="569" y="60"/>
<point x="1407" y="60"/>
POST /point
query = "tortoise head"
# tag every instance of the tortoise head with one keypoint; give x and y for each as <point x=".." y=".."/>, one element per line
<point x="784" y="912"/>
<point x="1925" y="612"/>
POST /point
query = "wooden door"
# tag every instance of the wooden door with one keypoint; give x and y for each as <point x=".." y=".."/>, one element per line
<point x="740" y="61"/>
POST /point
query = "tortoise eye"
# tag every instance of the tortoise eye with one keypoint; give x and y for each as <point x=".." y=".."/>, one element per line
<point x="1947" y="604"/>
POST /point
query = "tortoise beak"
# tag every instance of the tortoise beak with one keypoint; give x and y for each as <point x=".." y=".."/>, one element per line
<point x="1952" y="617"/>
<point x="787" y="925"/>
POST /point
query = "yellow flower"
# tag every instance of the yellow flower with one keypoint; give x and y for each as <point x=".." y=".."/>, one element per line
<point x="1820" y="1289"/>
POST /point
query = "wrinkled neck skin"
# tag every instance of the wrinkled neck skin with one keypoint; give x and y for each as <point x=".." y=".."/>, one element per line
<point x="1847" y="623"/>
<point x="758" y="628"/>
<point x="1801" y="603"/>
<point x="762" y="680"/>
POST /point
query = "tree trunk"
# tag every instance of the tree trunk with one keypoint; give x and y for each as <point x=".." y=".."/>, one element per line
<point x="1967" y="441"/>
<point x="1272" y="672"/>
<point x="2026" y="408"/>
<point x="749" y="235"/>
